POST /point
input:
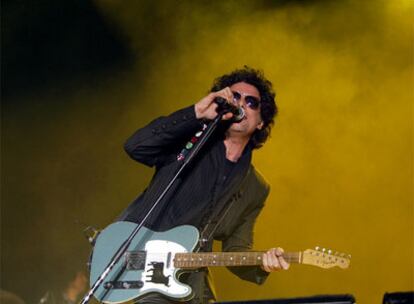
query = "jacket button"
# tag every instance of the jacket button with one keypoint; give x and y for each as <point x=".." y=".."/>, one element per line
<point x="163" y="126"/>
<point x="174" y="122"/>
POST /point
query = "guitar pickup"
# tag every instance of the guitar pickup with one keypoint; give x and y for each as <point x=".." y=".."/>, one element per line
<point x="123" y="285"/>
<point x="135" y="260"/>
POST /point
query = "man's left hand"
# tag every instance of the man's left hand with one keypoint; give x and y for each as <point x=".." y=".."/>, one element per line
<point x="273" y="260"/>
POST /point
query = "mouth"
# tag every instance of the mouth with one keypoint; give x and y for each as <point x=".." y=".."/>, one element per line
<point x="237" y="121"/>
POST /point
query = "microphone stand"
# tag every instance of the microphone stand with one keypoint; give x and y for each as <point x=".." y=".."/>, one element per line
<point x="122" y="249"/>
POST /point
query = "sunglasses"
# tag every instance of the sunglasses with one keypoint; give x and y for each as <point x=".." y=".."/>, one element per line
<point x="251" y="101"/>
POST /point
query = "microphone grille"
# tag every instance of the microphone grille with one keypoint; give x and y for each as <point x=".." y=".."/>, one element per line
<point x="239" y="115"/>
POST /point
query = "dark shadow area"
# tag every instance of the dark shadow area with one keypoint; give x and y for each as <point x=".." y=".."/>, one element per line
<point x="45" y="43"/>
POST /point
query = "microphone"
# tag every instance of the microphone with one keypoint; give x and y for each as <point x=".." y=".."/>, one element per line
<point x="226" y="107"/>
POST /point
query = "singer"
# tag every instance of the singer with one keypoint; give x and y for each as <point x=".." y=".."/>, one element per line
<point x="222" y="194"/>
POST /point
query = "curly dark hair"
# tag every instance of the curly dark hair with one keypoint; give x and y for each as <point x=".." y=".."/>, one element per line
<point x="268" y="108"/>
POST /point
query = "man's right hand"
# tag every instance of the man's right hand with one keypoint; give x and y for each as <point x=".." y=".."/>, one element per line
<point x="206" y="107"/>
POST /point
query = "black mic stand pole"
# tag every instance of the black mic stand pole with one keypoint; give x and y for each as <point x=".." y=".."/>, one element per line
<point x="121" y="250"/>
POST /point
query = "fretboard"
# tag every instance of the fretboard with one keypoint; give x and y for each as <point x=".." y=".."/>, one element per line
<point x="208" y="259"/>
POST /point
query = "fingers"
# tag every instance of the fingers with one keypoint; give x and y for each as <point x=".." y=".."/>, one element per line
<point x="273" y="260"/>
<point x="283" y="264"/>
<point x="206" y="107"/>
<point x="270" y="261"/>
<point x="228" y="94"/>
<point x="225" y="93"/>
<point x="227" y="116"/>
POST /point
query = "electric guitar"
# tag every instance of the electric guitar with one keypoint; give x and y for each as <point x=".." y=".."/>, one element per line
<point x="155" y="260"/>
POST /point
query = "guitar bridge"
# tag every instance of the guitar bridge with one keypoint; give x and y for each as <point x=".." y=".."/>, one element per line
<point x="123" y="285"/>
<point x="135" y="260"/>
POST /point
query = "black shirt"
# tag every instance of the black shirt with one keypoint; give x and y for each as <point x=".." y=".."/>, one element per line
<point x="193" y="200"/>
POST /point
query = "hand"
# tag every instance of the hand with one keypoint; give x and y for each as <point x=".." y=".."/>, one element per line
<point x="206" y="107"/>
<point x="273" y="260"/>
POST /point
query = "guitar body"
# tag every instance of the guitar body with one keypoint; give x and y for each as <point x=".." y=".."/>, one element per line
<point x="154" y="261"/>
<point x="147" y="266"/>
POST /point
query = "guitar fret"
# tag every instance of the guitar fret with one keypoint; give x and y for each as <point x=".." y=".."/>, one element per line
<point x="206" y="259"/>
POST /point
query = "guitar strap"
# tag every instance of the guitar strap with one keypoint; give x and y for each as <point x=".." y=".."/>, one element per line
<point x="210" y="228"/>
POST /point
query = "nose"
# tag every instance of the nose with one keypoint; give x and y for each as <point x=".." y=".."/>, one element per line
<point x="240" y="102"/>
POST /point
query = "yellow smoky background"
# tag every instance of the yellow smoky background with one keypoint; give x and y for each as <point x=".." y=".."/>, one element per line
<point x="339" y="161"/>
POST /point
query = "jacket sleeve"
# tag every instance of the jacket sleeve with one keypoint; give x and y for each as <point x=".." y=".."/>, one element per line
<point x="154" y="142"/>
<point x="242" y="240"/>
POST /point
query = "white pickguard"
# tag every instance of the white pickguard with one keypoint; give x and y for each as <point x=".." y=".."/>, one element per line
<point x="157" y="251"/>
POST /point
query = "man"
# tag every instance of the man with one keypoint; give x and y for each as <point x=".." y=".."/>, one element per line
<point x="221" y="193"/>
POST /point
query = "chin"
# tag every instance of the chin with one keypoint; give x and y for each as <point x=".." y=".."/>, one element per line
<point x="239" y="130"/>
<point x="237" y="127"/>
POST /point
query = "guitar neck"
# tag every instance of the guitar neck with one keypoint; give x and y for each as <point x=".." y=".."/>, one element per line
<point x="208" y="259"/>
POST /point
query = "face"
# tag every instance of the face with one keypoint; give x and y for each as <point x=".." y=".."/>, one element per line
<point x="252" y="120"/>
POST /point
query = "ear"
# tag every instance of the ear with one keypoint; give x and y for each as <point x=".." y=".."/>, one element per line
<point x="260" y="125"/>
